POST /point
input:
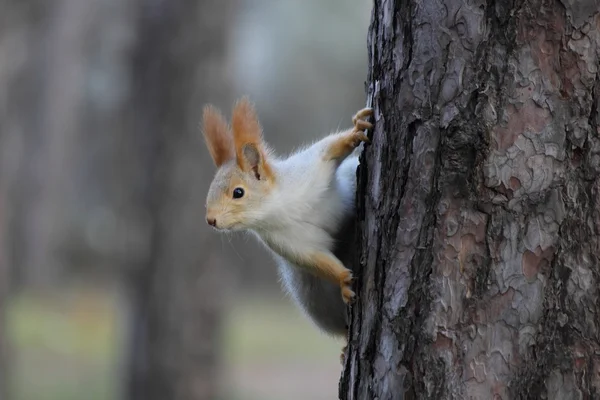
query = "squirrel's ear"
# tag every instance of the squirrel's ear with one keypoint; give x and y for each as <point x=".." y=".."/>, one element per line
<point x="252" y="158"/>
<point x="217" y="136"/>
<point x="251" y="154"/>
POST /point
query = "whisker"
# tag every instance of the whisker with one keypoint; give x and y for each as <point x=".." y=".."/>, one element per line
<point x="233" y="247"/>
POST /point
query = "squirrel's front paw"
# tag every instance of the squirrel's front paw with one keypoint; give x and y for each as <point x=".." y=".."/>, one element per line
<point x="359" y="119"/>
<point x="358" y="137"/>
<point x="346" y="285"/>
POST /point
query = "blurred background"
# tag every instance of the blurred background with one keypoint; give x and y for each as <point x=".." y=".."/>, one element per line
<point x="111" y="284"/>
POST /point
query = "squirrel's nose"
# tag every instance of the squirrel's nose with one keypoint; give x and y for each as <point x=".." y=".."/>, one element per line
<point x="211" y="221"/>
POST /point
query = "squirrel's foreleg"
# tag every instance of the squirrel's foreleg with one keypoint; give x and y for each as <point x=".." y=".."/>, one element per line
<point x="344" y="143"/>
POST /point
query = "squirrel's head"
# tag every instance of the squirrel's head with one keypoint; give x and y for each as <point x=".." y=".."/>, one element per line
<point x="244" y="177"/>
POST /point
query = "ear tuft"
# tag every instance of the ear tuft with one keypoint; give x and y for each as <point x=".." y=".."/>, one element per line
<point x="246" y="128"/>
<point x="250" y="150"/>
<point x="217" y="136"/>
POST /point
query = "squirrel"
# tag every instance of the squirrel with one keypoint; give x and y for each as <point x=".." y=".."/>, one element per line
<point x="301" y="207"/>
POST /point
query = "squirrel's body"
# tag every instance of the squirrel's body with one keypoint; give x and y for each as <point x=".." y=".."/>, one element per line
<point x="323" y="220"/>
<point x="300" y="207"/>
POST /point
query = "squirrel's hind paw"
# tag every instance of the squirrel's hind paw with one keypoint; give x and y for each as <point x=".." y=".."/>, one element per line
<point x="346" y="285"/>
<point x="343" y="355"/>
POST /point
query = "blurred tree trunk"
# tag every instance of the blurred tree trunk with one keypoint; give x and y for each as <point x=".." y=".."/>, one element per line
<point x="479" y="200"/>
<point x="6" y="76"/>
<point x="19" y="22"/>
<point x="42" y="63"/>
<point x="179" y="65"/>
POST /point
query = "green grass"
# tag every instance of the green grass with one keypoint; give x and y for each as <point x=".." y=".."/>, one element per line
<point x="273" y="330"/>
<point x="64" y="345"/>
<point x="272" y="352"/>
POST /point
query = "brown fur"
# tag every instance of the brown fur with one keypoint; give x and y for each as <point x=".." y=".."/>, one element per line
<point x="349" y="140"/>
<point x="345" y="144"/>
<point x="330" y="268"/>
<point x="247" y="130"/>
<point x="217" y="136"/>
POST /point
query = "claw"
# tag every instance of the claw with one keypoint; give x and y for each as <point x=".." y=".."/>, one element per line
<point x="348" y="295"/>
<point x="359" y="136"/>
<point x="343" y="355"/>
<point x="361" y="125"/>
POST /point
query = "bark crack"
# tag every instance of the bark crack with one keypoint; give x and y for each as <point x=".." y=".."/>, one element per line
<point x="528" y="383"/>
<point x="593" y="118"/>
<point x="422" y="365"/>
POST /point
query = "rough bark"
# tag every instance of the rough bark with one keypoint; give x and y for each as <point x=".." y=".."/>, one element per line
<point x="179" y="65"/>
<point x="479" y="204"/>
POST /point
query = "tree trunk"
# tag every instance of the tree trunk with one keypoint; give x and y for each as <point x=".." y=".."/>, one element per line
<point x="479" y="204"/>
<point x="179" y="65"/>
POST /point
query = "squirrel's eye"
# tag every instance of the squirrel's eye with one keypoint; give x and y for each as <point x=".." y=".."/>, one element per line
<point x="238" y="192"/>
